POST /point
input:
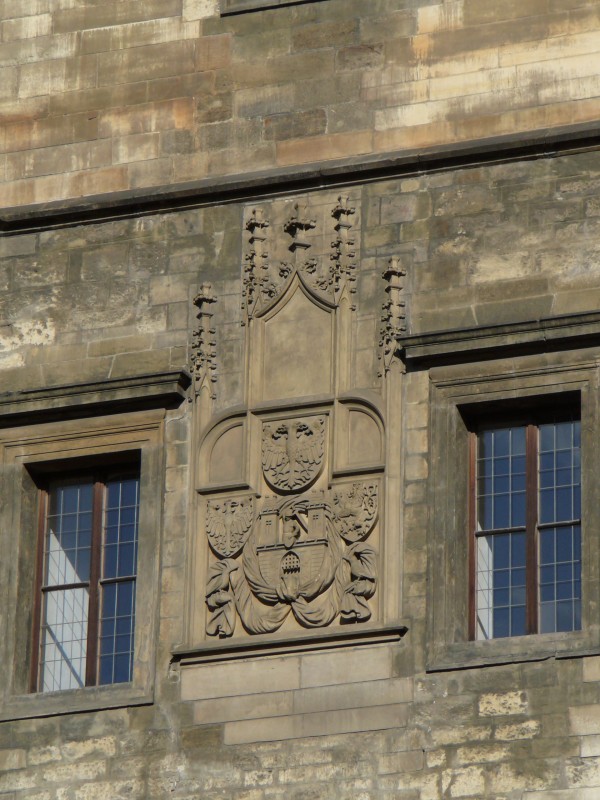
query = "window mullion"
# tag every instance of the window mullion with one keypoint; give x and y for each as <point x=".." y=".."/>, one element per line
<point x="531" y="522"/>
<point x="91" y="665"/>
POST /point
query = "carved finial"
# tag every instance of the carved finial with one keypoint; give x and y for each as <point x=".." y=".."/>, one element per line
<point x="394" y="316"/>
<point x="343" y="268"/>
<point x="256" y="278"/>
<point x="204" y="356"/>
<point x="342" y="208"/>
<point x="296" y="225"/>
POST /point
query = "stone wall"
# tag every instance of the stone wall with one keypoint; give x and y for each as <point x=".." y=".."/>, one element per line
<point x="115" y="96"/>
<point x="94" y="303"/>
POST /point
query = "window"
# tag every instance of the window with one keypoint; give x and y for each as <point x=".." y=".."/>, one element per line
<point x="526" y="529"/>
<point x="87" y="564"/>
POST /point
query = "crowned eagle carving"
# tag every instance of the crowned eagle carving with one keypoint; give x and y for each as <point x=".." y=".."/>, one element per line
<point x="292" y="452"/>
<point x="228" y="524"/>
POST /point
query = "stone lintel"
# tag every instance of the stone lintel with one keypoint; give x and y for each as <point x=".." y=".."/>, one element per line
<point x="156" y="390"/>
<point x="499" y="341"/>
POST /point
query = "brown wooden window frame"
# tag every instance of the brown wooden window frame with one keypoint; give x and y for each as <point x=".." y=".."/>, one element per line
<point x="99" y="478"/>
<point x="531" y="421"/>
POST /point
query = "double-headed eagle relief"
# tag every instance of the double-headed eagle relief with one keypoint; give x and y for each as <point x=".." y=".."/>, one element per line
<point x="303" y="553"/>
<point x="292" y="452"/>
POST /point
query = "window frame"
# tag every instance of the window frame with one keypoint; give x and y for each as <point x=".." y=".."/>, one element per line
<point x="28" y="456"/>
<point x="98" y="477"/>
<point x="531" y="421"/>
<point x="460" y="394"/>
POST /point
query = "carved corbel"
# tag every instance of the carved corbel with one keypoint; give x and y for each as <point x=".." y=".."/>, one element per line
<point x="204" y="356"/>
<point x="343" y="268"/>
<point x="394" y="315"/>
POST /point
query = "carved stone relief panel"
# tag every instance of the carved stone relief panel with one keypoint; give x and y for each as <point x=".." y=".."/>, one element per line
<point x="291" y="484"/>
<point x="302" y="550"/>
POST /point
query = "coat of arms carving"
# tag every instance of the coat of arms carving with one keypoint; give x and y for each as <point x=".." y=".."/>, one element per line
<point x="292" y="452"/>
<point x="305" y="555"/>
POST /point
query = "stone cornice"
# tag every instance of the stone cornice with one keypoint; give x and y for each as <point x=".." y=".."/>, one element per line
<point x="217" y="190"/>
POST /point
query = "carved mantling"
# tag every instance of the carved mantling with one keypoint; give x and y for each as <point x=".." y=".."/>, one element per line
<point x="204" y="355"/>
<point x="393" y="318"/>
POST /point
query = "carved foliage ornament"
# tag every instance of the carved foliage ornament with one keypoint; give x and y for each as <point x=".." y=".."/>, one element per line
<point x="265" y="280"/>
<point x="305" y="555"/>
<point x="204" y="356"/>
<point x="393" y="318"/>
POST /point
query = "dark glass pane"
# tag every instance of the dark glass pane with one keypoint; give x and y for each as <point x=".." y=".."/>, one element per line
<point x="547" y="505"/>
<point x="123" y="665"/>
<point x="129" y="492"/>
<point x="502" y="442"/>
<point x="501" y="622"/>
<point x="501" y="551"/>
<point x="547" y="592"/>
<point x="518" y="511"/>
<point x="110" y="561"/>
<point x="517" y="596"/>
<point x="518" y="627"/>
<point x="518" y="577"/>
<point x="564" y="545"/>
<point x="564" y="435"/>
<point x="547" y="547"/>
<point x="83" y="564"/>
<point x="547" y="574"/>
<point x="546" y="437"/>
<point x="70" y="499"/>
<point x="547" y="618"/>
<point x="519" y="543"/>
<point x="106" y="665"/>
<point x="126" y="560"/>
<point x="576" y="502"/>
<point x="501" y="597"/>
<point x="518" y="442"/>
<point x="128" y="516"/>
<point x="485" y="513"/>
<point x="564" y="616"/>
<point x="124" y="599"/>
<point x="564" y="505"/>
<point x="501" y="578"/>
<point x="128" y="533"/>
<point x="577" y="615"/>
<point x="501" y="484"/>
<point x="564" y="591"/>
<point x="517" y="482"/>
<point x="501" y="511"/>
<point x="501" y="466"/>
<point x="564" y="572"/>
<point x="485" y="444"/>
